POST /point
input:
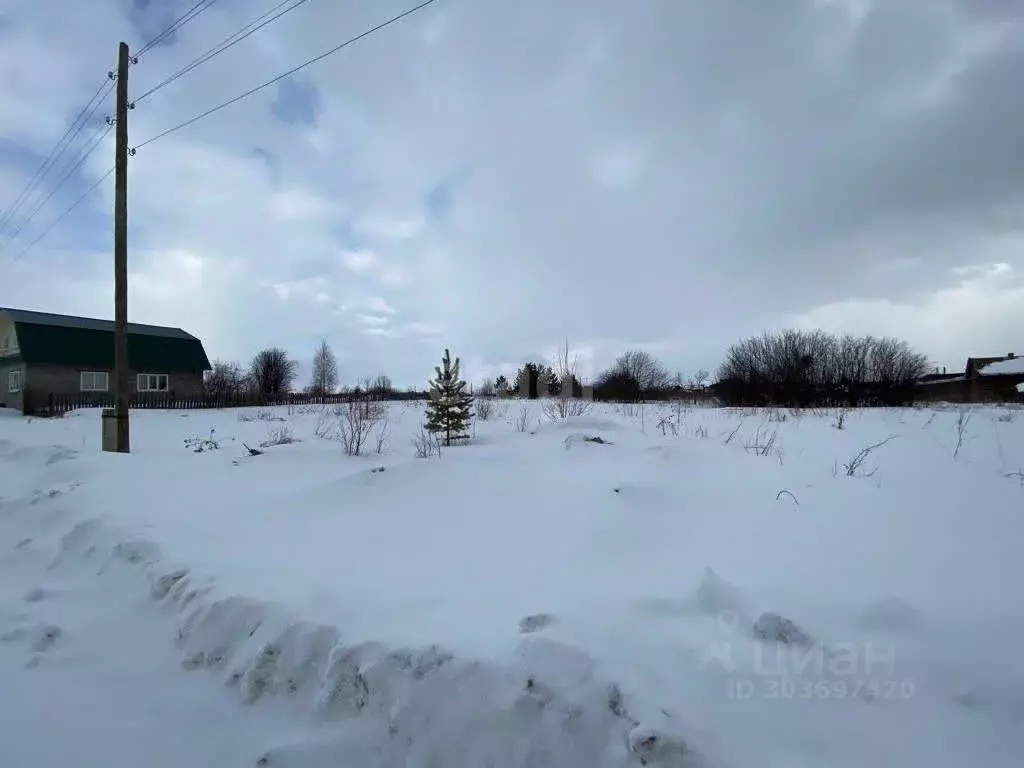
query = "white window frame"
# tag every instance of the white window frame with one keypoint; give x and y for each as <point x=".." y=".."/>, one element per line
<point x="15" y="381"/>
<point x="94" y="388"/>
<point x="144" y="380"/>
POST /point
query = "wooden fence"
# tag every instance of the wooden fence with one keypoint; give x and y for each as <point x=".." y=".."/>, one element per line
<point x="50" y="404"/>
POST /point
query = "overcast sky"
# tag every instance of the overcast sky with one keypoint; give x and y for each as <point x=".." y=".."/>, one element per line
<point x="496" y="176"/>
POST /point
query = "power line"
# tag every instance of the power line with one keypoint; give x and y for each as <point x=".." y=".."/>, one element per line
<point x="69" y="171"/>
<point x="61" y="218"/>
<point x="59" y="149"/>
<point x="283" y="75"/>
<point x="184" y="19"/>
<point x="225" y="44"/>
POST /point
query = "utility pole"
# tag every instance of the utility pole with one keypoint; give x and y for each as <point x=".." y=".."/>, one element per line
<point x="121" y="252"/>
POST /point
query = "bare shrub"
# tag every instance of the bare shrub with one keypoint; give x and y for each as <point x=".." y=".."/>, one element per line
<point x="629" y="410"/>
<point x="522" y="419"/>
<point x="562" y="407"/>
<point x="962" y="420"/>
<point x="566" y="403"/>
<point x="326" y="424"/>
<point x="840" y="420"/>
<point x="426" y="444"/>
<point x="701" y="432"/>
<point x="855" y="465"/>
<point x="203" y="444"/>
<point x="1007" y="417"/>
<point x="763" y="443"/>
<point x="484" y="408"/>
<point x="798" y="367"/>
<point x="665" y="425"/>
<point x="382" y="434"/>
<point x="678" y="407"/>
<point x="224" y="380"/>
<point x="282" y="435"/>
<point x="732" y="435"/>
<point x="356" y="421"/>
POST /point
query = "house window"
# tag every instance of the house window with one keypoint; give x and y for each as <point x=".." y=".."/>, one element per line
<point x="152" y="382"/>
<point x="94" y="381"/>
<point x="15" y="381"/>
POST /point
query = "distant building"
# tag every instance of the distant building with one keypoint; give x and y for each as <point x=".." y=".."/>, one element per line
<point x="984" y="380"/>
<point x="44" y="355"/>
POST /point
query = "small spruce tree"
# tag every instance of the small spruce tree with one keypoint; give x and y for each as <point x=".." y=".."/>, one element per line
<point x="448" y="411"/>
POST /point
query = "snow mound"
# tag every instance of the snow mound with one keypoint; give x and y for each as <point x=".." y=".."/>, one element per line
<point x="548" y="705"/>
<point x="775" y="628"/>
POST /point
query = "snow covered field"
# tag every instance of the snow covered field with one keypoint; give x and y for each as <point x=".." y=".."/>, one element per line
<point x="728" y="589"/>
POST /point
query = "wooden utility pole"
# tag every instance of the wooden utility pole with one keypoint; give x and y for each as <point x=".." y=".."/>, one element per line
<point x="121" y="252"/>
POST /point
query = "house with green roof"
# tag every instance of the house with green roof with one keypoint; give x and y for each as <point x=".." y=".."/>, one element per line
<point x="45" y="356"/>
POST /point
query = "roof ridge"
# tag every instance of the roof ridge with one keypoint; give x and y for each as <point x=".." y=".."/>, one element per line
<point x="31" y="316"/>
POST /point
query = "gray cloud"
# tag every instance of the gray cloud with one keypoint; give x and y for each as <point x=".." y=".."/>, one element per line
<point x="674" y="173"/>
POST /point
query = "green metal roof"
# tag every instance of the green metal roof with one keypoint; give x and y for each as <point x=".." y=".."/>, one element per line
<point x="49" y="339"/>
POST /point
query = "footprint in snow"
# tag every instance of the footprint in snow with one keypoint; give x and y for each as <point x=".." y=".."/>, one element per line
<point x="35" y="595"/>
<point x="44" y="637"/>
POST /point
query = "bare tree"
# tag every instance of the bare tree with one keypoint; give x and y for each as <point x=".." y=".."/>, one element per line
<point x="634" y="375"/>
<point x="806" y="368"/>
<point x="380" y="386"/>
<point x="700" y="378"/>
<point x="325" y="370"/>
<point x="272" y="373"/>
<point x="568" y="402"/>
<point x="224" y="380"/>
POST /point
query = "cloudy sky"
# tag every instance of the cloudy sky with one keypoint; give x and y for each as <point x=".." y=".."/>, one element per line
<point x="499" y="175"/>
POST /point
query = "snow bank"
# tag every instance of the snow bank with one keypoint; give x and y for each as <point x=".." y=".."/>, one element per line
<point x="547" y="705"/>
<point x="542" y="599"/>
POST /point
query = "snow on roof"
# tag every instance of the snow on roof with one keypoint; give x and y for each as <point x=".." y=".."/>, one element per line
<point x="1003" y="367"/>
<point x="946" y="380"/>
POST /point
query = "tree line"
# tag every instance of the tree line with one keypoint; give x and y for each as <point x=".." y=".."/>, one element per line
<point x="635" y="375"/>
<point x="815" y="368"/>
<point x="790" y="368"/>
<point x="272" y="374"/>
